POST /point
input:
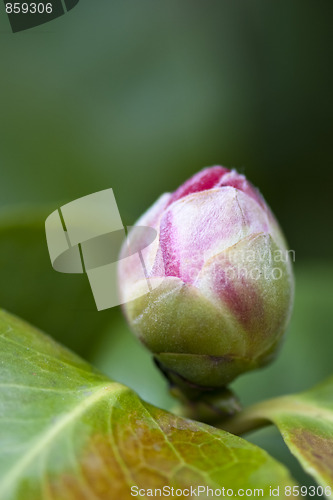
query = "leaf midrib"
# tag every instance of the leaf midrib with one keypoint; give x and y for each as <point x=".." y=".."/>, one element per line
<point x="53" y="431"/>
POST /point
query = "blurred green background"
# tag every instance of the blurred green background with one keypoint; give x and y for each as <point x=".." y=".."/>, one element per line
<point x="138" y="96"/>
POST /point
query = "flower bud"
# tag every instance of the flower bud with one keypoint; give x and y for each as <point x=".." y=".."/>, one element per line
<point x="220" y="279"/>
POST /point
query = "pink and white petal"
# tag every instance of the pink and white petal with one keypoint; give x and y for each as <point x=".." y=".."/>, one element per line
<point x="201" y="225"/>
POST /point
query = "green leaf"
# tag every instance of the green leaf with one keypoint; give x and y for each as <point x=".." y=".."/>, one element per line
<point x="68" y="432"/>
<point x="305" y="421"/>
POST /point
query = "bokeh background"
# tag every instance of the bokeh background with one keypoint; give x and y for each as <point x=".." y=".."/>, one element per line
<point x="138" y="96"/>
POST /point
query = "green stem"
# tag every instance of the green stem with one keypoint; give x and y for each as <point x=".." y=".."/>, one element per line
<point x="208" y="407"/>
<point x="254" y="417"/>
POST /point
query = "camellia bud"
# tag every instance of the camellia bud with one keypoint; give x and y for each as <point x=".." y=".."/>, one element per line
<point x="221" y="281"/>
